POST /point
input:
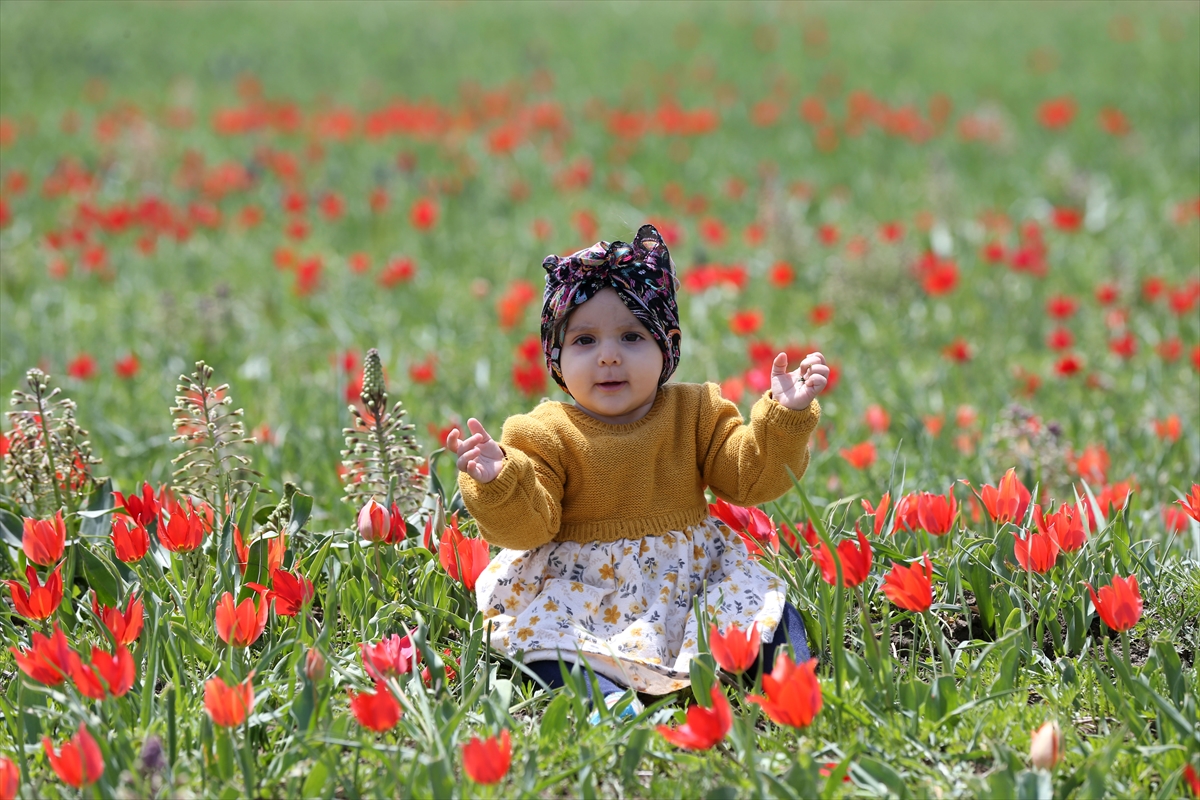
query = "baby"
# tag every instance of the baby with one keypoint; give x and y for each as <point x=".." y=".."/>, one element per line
<point x="600" y="503"/>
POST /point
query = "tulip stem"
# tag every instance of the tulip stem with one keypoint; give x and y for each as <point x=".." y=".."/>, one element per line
<point x="872" y="644"/>
<point x="1125" y="650"/>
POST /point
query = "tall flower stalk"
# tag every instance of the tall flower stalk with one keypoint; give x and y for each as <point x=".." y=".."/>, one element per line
<point x="381" y="456"/>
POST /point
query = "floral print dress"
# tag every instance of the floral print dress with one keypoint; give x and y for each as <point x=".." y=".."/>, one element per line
<point x="626" y="607"/>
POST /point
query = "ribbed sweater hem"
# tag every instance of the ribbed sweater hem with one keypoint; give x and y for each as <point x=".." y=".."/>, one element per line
<point x="612" y="530"/>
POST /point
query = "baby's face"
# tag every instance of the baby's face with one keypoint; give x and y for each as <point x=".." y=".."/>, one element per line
<point x="609" y="360"/>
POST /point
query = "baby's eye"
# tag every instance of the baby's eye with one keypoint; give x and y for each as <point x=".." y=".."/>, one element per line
<point x="633" y="337"/>
<point x="583" y="340"/>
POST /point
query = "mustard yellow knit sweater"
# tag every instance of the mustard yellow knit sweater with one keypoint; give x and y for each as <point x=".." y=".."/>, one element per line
<point x="570" y="477"/>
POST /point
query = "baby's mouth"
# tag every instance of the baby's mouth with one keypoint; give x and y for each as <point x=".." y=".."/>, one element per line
<point x="611" y="384"/>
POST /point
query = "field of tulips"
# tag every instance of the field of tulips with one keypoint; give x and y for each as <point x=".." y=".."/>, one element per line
<point x="257" y="259"/>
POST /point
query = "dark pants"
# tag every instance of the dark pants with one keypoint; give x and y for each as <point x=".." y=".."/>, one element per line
<point x="791" y="626"/>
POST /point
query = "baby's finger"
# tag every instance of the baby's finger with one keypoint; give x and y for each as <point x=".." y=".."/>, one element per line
<point x="477" y="428"/>
<point x="452" y="440"/>
<point x="779" y="365"/>
<point x="466" y="458"/>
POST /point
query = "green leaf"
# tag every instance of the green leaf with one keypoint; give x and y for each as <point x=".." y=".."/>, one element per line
<point x="634" y="747"/>
<point x="101" y="576"/>
<point x="980" y="578"/>
<point x="885" y="775"/>
<point x="1035" y="785"/>
<point x="257" y="567"/>
<point x="302" y="505"/>
<point x="316" y="784"/>
<point x="554" y="720"/>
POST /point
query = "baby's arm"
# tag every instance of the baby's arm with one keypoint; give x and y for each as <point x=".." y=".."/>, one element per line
<point x="745" y="464"/>
<point x="511" y="491"/>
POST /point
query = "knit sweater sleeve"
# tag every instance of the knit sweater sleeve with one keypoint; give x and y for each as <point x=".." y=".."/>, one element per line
<point x="522" y="507"/>
<point x="745" y="464"/>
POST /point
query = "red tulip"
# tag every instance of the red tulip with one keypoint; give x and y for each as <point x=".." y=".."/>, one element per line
<point x="860" y="456"/>
<point x="463" y="559"/>
<point x="80" y="762"/>
<point x="1191" y="779"/>
<point x="48" y="660"/>
<point x="705" y="727"/>
<point x="397" y="527"/>
<point x="735" y="651"/>
<point x="125" y="627"/>
<point x="374" y="522"/>
<point x="108" y="675"/>
<point x="936" y="513"/>
<point x="10" y="779"/>
<point x="856" y="561"/>
<point x="736" y="517"/>
<point x="40" y="602"/>
<point x="1119" y="605"/>
<point x="143" y="509"/>
<point x="1009" y="502"/>
<point x="377" y="711"/>
<point x="1036" y="552"/>
<point x="880" y="513"/>
<point x="291" y="593"/>
<point x="390" y="657"/>
<point x="1066" y="525"/>
<point x="43" y="540"/>
<point x="130" y="543"/>
<point x="910" y="587"/>
<point x="486" y="761"/>
<point x="184" y="532"/>
<point x="906" y="512"/>
<point x="793" y="694"/>
<point x="276" y="549"/>
<point x="227" y="705"/>
<point x="1191" y="503"/>
<point x="240" y="626"/>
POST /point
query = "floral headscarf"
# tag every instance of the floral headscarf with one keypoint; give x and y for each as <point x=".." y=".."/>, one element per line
<point x="642" y="275"/>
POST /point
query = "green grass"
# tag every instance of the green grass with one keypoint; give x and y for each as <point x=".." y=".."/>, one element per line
<point x="218" y="296"/>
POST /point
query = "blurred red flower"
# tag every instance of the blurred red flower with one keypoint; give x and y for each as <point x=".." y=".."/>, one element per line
<point x="876" y="418"/>
<point x="712" y="231"/>
<point x="424" y="213"/>
<point x="10" y="779"/>
<point x="125" y="626"/>
<point x="781" y="274"/>
<point x="82" y="367"/>
<point x="993" y="252"/>
<point x="744" y="323"/>
<point x="891" y="232"/>
<point x="107" y="675"/>
<point x="512" y="304"/>
<point x="1168" y="429"/>
<point x="390" y="657"/>
<point x="486" y="761"/>
<point x="127" y="366"/>
<point x="463" y="559"/>
<point x="1068" y="365"/>
<point x="958" y="350"/>
<point x="1067" y="219"/>
<point x="423" y="371"/>
<point x="332" y="205"/>
<point x="377" y="711"/>
<point x="48" y="660"/>
<point x="936" y="513"/>
<point x="1061" y="306"/>
<point x="378" y="200"/>
<point x="705" y="727"/>
<point x="1175" y="519"/>
<point x="399" y="270"/>
<point x="1124" y="345"/>
<point x="1056" y="113"/>
<point x="860" y="456"/>
<point x="821" y="314"/>
<point x="80" y="762"/>
<point x="1060" y="339"/>
<point x="228" y="706"/>
<point x="41" y="601"/>
<point x="359" y="263"/>
<point x="828" y="234"/>
<point x="1107" y="293"/>
<point x="1113" y="122"/>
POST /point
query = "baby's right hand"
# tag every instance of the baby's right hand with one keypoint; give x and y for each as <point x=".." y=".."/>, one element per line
<point x="478" y="455"/>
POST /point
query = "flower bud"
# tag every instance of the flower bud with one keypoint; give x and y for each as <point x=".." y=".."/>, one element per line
<point x="374" y="522"/>
<point x="1045" y="748"/>
<point x="314" y="665"/>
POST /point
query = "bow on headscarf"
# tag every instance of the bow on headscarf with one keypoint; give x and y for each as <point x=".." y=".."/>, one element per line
<point x="642" y="275"/>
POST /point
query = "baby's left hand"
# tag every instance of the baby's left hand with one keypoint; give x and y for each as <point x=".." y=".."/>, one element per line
<point x="796" y="390"/>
